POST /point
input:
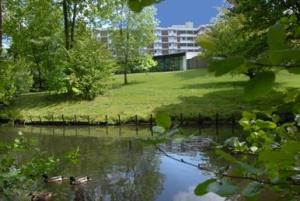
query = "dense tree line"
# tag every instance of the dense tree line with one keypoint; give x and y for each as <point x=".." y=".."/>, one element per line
<point x="54" y="45"/>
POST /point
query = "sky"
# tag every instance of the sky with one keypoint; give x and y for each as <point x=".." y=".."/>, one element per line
<point x="200" y="12"/>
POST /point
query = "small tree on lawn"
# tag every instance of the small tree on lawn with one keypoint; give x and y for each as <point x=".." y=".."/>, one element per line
<point x="134" y="32"/>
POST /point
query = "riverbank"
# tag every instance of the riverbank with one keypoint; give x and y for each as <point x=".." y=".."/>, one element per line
<point x="184" y="95"/>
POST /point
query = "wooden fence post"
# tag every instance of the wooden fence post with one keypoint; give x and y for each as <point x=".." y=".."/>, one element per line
<point x="136" y="120"/>
<point x="217" y="119"/>
<point x="151" y="121"/>
<point x="181" y="119"/>
<point x="200" y="120"/>
<point x="106" y="120"/>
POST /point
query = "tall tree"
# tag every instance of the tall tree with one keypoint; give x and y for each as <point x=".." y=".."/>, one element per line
<point x="1" y="27"/>
<point x="134" y="33"/>
<point x="66" y="23"/>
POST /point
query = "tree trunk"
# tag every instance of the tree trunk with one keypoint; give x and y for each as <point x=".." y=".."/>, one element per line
<point x="125" y="77"/>
<point x="73" y="24"/>
<point x="1" y="28"/>
<point x="66" y="24"/>
<point x="251" y="74"/>
<point x="126" y="52"/>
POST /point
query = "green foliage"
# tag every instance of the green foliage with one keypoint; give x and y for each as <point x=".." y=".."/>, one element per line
<point x="224" y="66"/>
<point x="89" y="67"/>
<point x="144" y="63"/>
<point x="202" y="188"/>
<point x="222" y="188"/>
<point x="163" y="120"/>
<point x="274" y="165"/>
<point x="135" y="32"/>
<point x="22" y="76"/>
<point x="138" y="5"/>
<point x="38" y="40"/>
<point x="260" y="85"/>
<point x="276" y="37"/>
<point x="20" y="177"/>
<point x="252" y="190"/>
<point x="256" y="51"/>
<point x="7" y="88"/>
<point x="15" y="78"/>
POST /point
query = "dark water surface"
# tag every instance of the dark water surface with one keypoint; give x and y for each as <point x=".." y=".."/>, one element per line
<point x="122" y="166"/>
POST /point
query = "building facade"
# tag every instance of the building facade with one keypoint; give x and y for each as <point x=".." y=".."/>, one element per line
<point x="176" y="39"/>
<point x="175" y="47"/>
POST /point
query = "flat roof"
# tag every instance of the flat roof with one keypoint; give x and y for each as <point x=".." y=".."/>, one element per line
<point x="170" y="55"/>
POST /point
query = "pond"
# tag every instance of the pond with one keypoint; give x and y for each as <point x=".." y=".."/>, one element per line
<point x="122" y="166"/>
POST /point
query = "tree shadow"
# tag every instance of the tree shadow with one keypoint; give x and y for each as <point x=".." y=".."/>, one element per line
<point x="216" y="85"/>
<point x="223" y="102"/>
<point x="42" y="99"/>
<point x="190" y="74"/>
<point x="130" y="83"/>
<point x="221" y="85"/>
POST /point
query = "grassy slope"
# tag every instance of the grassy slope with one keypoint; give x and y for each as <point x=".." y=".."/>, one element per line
<point x="189" y="93"/>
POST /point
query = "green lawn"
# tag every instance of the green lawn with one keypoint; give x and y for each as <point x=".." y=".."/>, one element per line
<point x="190" y="93"/>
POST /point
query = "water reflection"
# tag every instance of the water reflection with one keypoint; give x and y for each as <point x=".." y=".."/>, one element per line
<point x="190" y="196"/>
<point x="121" y="166"/>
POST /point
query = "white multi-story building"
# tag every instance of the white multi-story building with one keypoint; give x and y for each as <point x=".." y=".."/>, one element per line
<point x="176" y="39"/>
<point x="169" y="40"/>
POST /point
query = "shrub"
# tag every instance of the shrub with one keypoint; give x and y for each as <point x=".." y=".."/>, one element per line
<point x="89" y="68"/>
<point x="15" y="78"/>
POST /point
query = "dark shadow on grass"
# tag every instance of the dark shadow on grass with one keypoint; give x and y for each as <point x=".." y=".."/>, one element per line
<point x="134" y="82"/>
<point x="216" y="85"/>
<point x="130" y="83"/>
<point x="190" y="74"/>
<point x="221" y="85"/>
<point x="224" y="102"/>
<point x="42" y="99"/>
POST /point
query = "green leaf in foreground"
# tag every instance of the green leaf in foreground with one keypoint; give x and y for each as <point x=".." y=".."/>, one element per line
<point x="276" y="37"/>
<point x="202" y="188"/>
<point x="163" y="119"/>
<point x="221" y="67"/>
<point x="138" y="5"/>
<point x="244" y="166"/>
<point x="260" y="85"/>
<point x="252" y="190"/>
<point x="223" y="188"/>
<point x="284" y="56"/>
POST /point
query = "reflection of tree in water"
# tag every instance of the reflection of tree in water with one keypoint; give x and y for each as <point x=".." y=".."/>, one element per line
<point x="137" y="176"/>
<point x="121" y="169"/>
